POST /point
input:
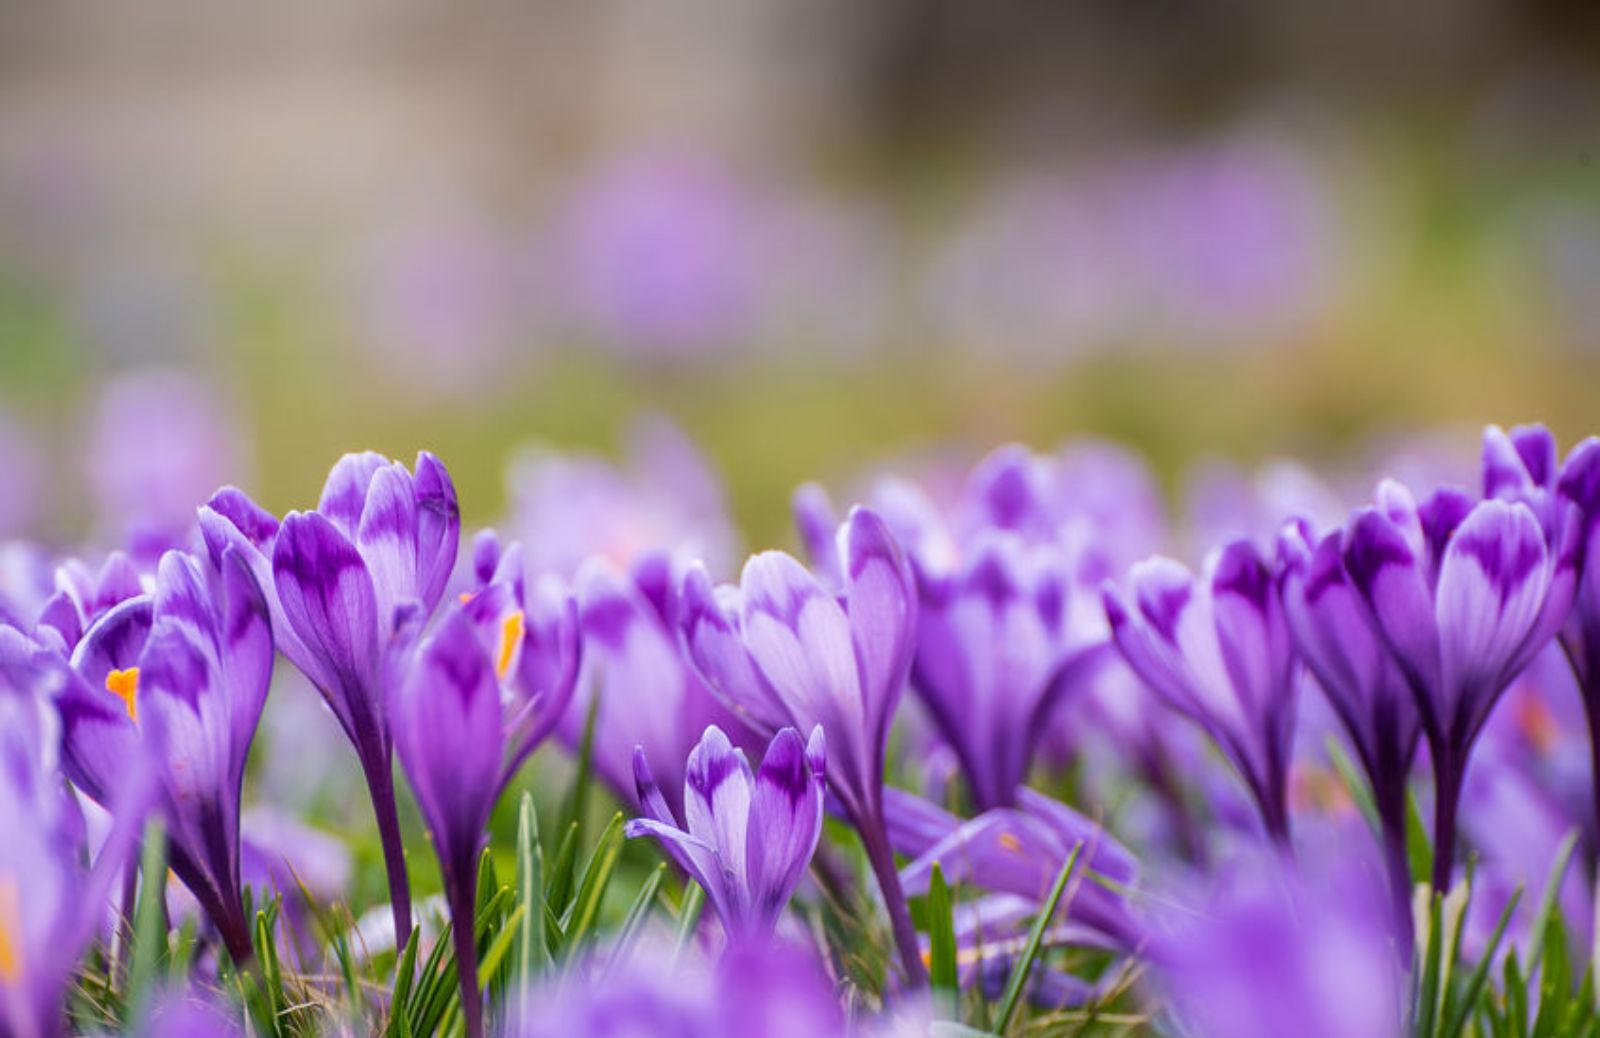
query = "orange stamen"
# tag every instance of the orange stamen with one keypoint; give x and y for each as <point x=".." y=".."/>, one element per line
<point x="511" y="630"/>
<point x="10" y="932"/>
<point x="124" y="684"/>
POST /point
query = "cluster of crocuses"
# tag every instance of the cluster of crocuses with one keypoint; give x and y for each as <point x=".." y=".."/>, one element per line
<point x="1015" y="612"/>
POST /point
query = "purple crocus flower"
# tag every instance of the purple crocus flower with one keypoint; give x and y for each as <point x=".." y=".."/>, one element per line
<point x="534" y="638"/>
<point x="749" y="837"/>
<point x="1018" y="851"/>
<point x="1276" y="954"/>
<point x="82" y="596"/>
<point x="1464" y="595"/>
<point x="1521" y="466"/>
<point x="773" y="989"/>
<point x="998" y="644"/>
<point x="1217" y="650"/>
<point x="786" y="652"/>
<point x="648" y="693"/>
<point x="50" y="906"/>
<point x="1335" y="638"/>
<point x="448" y="729"/>
<point x="340" y="581"/>
<point x="181" y="675"/>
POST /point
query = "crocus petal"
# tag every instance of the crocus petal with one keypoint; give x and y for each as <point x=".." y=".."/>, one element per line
<point x="329" y="603"/>
<point x="718" y="787"/>
<point x="785" y="819"/>
<point x="387" y="540"/>
<point x="817" y="523"/>
<point x="438" y="529"/>
<point x="446" y="723"/>
<point x="711" y="634"/>
<point x="246" y="643"/>
<point x="800" y="639"/>
<point x="344" y="494"/>
<point x="883" y="614"/>
<point x="1386" y="572"/>
<point x="1492" y="584"/>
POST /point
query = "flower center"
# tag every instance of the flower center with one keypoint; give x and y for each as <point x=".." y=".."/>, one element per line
<point x="124" y="684"/>
<point x="511" y="630"/>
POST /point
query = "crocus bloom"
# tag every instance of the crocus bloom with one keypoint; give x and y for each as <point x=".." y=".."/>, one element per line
<point x="1521" y="466"/>
<point x="378" y="551"/>
<point x="649" y="694"/>
<point x="1334" y="634"/>
<point x="1217" y="650"/>
<point x="82" y="596"/>
<point x="1272" y="955"/>
<point x="1464" y="594"/>
<point x="49" y="906"/>
<point x="785" y="652"/>
<point x="749" y="837"/>
<point x="1019" y="851"/>
<point x="533" y="637"/>
<point x="772" y="988"/>
<point x="184" y="672"/>
<point x="446" y="719"/>
<point x="998" y="644"/>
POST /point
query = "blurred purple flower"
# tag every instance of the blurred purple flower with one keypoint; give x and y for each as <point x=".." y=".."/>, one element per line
<point x="1018" y="851"/>
<point x="340" y="582"/>
<point x="636" y="676"/>
<point x="785" y="652"/>
<point x="180" y="675"/>
<point x="50" y="907"/>
<point x="771" y="989"/>
<point x="1464" y="595"/>
<point x="662" y="256"/>
<point x="567" y="508"/>
<point x="1217" y="650"/>
<point x="82" y="596"/>
<point x="144" y="485"/>
<point x="748" y="837"/>
<point x="1278" y="953"/>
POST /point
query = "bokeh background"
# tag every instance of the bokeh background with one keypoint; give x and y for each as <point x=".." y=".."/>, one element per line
<point x="239" y="239"/>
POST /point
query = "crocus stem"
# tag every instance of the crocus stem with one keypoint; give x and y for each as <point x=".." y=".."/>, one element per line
<point x="463" y="934"/>
<point x="380" y="783"/>
<point x="1591" y="709"/>
<point x="1447" y="798"/>
<point x="1391" y="804"/>
<point x="881" y="858"/>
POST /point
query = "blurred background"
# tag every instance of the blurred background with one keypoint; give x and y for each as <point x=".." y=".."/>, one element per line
<point x="238" y="240"/>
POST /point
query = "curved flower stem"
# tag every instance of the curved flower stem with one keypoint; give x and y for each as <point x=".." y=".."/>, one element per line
<point x="1391" y="804"/>
<point x="463" y="934"/>
<point x="380" y="784"/>
<point x="1447" y="799"/>
<point x="879" y="855"/>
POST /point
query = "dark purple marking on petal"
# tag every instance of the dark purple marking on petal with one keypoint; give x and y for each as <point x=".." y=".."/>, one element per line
<point x="1439" y="515"/>
<point x="1162" y="607"/>
<point x="1242" y="571"/>
<point x="1505" y="561"/>
<point x="713" y="761"/>
<point x="1371" y="543"/>
<point x="1536" y="446"/>
<point x="785" y="766"/>
<point x="258" y="525"/>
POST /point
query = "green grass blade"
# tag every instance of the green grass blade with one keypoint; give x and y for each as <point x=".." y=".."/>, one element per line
<point x="1024" y="965"/>
<point x="149" y="919"/>
<point x="634" y="920"/>
<point x="1355" y="781"/>
<point x="585" y="908"/>
<point x="1457" y="1020"/>
<point x="489" y="965"/>
<point x="942" y="938"/>
<point x="694" y="899"/>
<point x="1547" y="898"/>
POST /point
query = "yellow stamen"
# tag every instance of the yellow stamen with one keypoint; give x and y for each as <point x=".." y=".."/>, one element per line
<point x="124" y="684"/>
<point x="10" y="932"/>
<point x="465" y="597"/>
<point x="1011" y="843"/>
<point x="511" y="629"/>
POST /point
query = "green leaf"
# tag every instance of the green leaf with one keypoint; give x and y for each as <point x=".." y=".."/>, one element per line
<point x="149" y="919"/>
<point x="941" y="937"/>
<point x="580" y="917"/>
<point x="405" y="972"/>
<point x="1419" y="846"/>
<point x="1547" y="899"/>
<point x="1024" y="966"/>
<point x="533" y="947"/>
<point x="558" y="888"/>
<point x="1426" y="1001"/>
<point x="489" y="964"/>
<point x="577" y="806"/>
<point x="1354" y="782"/>
<point x="694" y="900"/>
<point x="1457" y="1020"/>
<point x="634" y="920"/>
